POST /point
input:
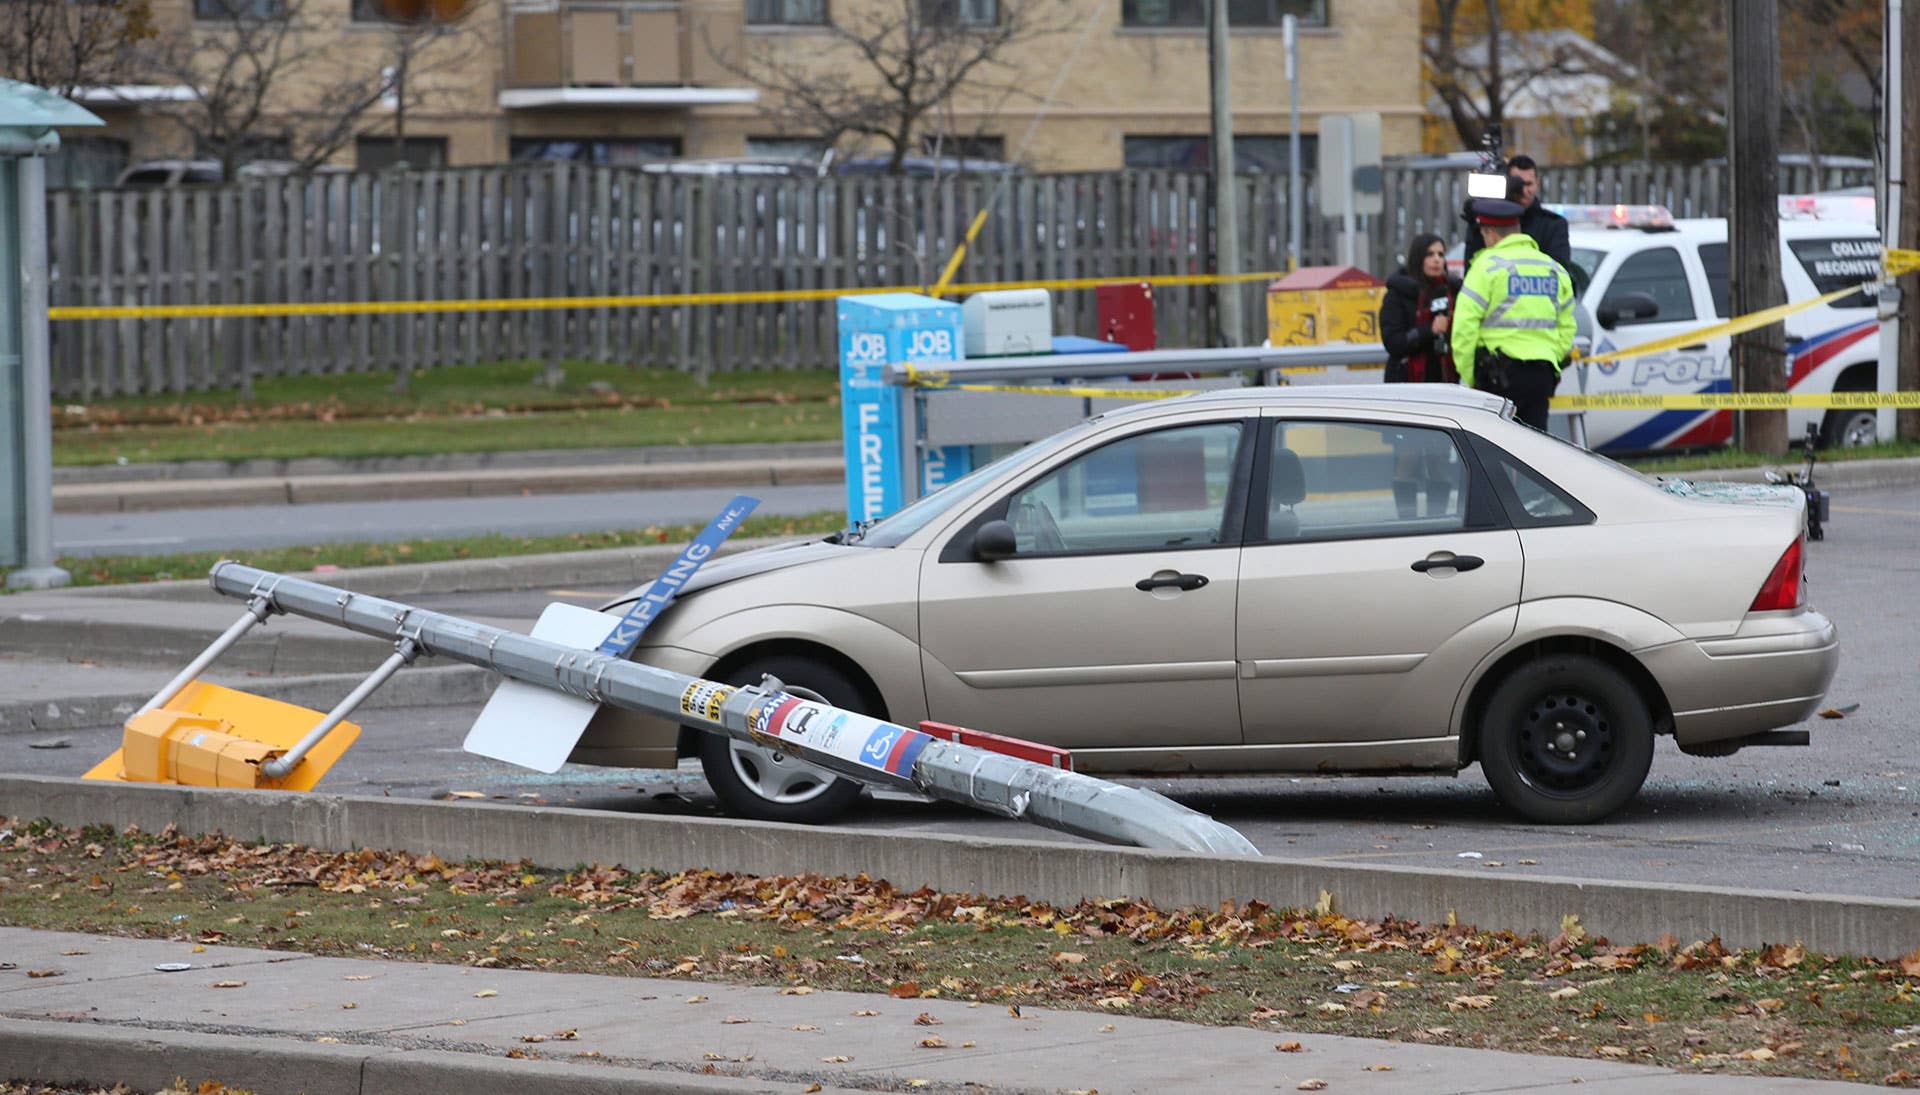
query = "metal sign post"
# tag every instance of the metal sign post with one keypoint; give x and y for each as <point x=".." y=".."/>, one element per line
<point x="28" y="116"/>
<point x="845" y="742"/>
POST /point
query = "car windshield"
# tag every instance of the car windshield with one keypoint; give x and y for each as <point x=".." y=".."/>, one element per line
<point x="1588" y="260"/>
<point x="889" y="531"/>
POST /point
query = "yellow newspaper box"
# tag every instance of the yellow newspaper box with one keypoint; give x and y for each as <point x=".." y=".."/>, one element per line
<point x="1316" y="305"/>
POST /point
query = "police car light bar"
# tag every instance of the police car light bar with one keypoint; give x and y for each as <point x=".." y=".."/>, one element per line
<point x="1616" y="216"/>
<point x="1827" y="207"/>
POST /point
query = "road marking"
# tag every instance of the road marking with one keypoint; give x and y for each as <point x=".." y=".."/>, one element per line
<point x="1876" y="509"/>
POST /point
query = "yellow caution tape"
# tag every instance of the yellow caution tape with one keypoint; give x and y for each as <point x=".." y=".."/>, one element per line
<point x="1736" y="401"/>
<point x="651" y="300"/>
<point x="1900" y="261"/>
<point x="1752" y="321"/>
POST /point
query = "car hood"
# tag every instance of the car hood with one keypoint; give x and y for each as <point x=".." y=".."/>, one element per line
<point x="732" y="568"/>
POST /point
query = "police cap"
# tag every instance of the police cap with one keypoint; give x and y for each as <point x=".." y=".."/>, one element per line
<point x="1497" y="212"/>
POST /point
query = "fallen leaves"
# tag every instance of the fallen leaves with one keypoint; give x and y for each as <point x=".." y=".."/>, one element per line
<point x="925" y="1019"/>
<point x="1290" y="1047"/>
<point x="1567" y="993"/>
<point x="932" y="1041"/>
<point x="485" y="994"/>
<point x="1313" y="1084"/>
<point x="836" y="1059"/>
<point x="45" y="973"/>
<point x="1478" y="1002"/>
<point x="229" y="984"/>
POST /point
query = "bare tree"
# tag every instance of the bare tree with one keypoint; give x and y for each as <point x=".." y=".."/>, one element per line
<point x="268" y="80"/>
<point x="888" y="69"/>
<point x="1479" y="61"/>
<point x="63" y="46"/>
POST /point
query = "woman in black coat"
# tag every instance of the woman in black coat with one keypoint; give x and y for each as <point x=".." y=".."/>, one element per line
<point x="1416" y="315"/>
<point x="1415" y="318"/>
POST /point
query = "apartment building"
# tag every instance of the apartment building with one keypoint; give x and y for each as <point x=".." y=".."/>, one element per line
<point x="622" y="81"/>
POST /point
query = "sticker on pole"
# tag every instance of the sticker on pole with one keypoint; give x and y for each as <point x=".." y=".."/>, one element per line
<point x="882" y="746"/>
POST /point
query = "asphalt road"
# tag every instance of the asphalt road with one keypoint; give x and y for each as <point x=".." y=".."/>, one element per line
<point x="1842" y="816"/>
<point x="211" y="529"/>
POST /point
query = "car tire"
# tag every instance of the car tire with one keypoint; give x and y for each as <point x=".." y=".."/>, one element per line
<point x="1566" y="740"/>
<point x="768" y="785"/>
<point x="1849" y="428"/>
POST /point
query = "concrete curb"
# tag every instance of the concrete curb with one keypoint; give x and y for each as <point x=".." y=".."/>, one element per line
<point x="360" y="486"/>
<point x="149" y="1059"/>
<point x="556" y="837"/>
<point x="419" y="686"/>
<point x="1838" y="475"/>
<point x="459" y="461"/>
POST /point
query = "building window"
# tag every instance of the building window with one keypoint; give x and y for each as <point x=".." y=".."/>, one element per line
<point x="1251" y="153"/>
<point x="376" y="153"/>
<point x="239" y="10"/>
<point x="595" y="150"/>
<point x="1240" y="13"/>
<point x="786" y="13"/>
<point x="971" y="148"/>
<point x="966" y="13"/>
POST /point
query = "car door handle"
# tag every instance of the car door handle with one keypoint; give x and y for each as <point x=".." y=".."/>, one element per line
<point x="1457" y="562"/>
<point x="1183" y="581"/>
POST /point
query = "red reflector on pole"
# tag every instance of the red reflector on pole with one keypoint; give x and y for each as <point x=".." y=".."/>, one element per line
<point x="996" y="743"/>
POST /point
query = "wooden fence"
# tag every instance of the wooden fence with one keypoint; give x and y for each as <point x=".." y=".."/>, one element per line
<point x="557" y="230"/>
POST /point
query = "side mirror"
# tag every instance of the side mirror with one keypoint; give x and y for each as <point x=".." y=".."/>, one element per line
<point x="994" y="541"/>
<point x="1629" y="306"/>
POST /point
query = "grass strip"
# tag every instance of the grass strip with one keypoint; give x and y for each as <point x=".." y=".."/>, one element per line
<point x="96" y="570"/>
<point x="1776" y="1011"/>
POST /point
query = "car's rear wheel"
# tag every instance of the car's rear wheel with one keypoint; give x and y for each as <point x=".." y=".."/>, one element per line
<point x="1566" y="739"/>
<point x="1849" y="428"/>
<point x="771" y="785"/>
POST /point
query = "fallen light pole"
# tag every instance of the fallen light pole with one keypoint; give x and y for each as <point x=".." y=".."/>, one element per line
<point x="853" y="745"/>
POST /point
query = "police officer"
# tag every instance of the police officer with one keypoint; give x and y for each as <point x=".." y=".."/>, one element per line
<point x="1513" y="321"/>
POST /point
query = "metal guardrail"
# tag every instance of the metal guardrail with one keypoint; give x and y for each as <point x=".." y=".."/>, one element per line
<point x="844" y="742"/>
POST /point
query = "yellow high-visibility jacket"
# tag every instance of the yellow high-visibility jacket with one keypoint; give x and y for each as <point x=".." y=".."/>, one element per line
<point x="1517" y="301"/>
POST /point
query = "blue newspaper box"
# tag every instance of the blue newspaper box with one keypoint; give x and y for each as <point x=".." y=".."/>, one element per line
<point x="875" y="330"/>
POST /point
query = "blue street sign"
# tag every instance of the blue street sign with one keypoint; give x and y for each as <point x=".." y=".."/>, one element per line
<point x="665" y="588"/>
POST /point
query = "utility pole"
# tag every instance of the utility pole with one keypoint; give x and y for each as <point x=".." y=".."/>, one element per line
<point x="1296" y="215"/>
<point x="1759" y="357"/>
<point x="1226" y="196"/>
<point x="1902" y="196"/>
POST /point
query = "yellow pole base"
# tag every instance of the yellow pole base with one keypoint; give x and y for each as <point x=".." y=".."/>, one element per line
<point x="209" y="736"/>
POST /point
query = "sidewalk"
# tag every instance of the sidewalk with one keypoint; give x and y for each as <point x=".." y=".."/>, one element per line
<point x="116" y="489"/>
<point x="290" y="1022"/>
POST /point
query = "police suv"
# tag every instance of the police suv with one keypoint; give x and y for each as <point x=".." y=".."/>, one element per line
<point x="1651" y="277"/>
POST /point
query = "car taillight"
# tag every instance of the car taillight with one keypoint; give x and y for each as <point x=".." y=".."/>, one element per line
<point x="1784" y="588"/>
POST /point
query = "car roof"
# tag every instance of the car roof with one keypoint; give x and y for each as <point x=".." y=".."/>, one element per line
<point x="1711" y="230"/>
<point x="1412" y="397"/>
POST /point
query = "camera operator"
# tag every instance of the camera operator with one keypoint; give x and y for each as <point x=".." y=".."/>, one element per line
<point x="1547" y="228"/>
<point x="1513" y="325"/>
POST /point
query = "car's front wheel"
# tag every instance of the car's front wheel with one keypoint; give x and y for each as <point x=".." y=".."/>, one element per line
<point x="770" y="784"/>
<point x="1566" y="739"/>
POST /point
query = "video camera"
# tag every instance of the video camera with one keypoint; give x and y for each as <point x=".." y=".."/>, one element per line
<point x="1489" y="180"/>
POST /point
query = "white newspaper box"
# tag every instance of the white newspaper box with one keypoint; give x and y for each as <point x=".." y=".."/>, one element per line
<point x="1008" y="321"/>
